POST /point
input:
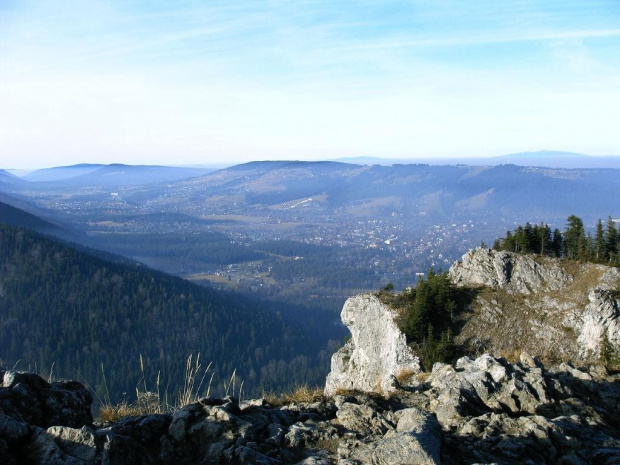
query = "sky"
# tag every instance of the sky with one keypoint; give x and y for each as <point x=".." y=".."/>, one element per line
<point x="204" y="82"/>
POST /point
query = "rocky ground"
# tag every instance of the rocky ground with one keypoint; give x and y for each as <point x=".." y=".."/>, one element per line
<point x="485" y="410"/>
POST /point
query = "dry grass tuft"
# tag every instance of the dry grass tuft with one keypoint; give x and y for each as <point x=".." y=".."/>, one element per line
<point x="513" y="356"/>
<point x="151" y="402"/>
<point x="423" y="376"/>
<point x="300" y="394"/>
<point x="112" y="413"/>
<point x="345" y="392"/>
<point x="404" y="376"/>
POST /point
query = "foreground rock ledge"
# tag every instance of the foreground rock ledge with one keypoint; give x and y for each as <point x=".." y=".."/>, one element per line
<point x="485" y="410"/>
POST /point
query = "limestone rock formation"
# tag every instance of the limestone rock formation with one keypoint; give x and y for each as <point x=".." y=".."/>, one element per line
<point x="515" y="273"/>
<point x="376" y="353"/>
<point x="601" y="318"/>
<point x="28" y="398"/>
<point x="541" y="305"/>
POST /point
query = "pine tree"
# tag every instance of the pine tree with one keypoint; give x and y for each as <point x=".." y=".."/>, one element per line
<point x="557" y="244"/>
<point x="586" y="248"/>
<point x="521" y="240"/>
<point x="446" y="349"/>
<point x="530" y="240"/>
<point x="611" y="240"/>
<point x="509" y="243"/>
<point x="574" y="238"/>
<point x="498" y="244"/>
<point x="607" y="353"/>
<point x="600" y="243"/>
<point x="543" y="233"/>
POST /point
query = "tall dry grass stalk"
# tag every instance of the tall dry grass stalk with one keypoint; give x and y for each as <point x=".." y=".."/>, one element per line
<point x="191" y="391"/>
<point x="151" y="402"/>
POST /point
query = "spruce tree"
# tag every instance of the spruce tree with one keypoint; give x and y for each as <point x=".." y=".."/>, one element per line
<point x="574" y="238"/>
<point x="611" y="240"/>
<point x="607" y="353"/>
<point x="557" y="245"/>
<point x="600" y="243"/>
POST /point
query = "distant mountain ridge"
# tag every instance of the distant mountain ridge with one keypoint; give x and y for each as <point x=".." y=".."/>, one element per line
<point x="8" y="179"/>
<point x="62" y="172"/>
<point x="111" y="175"/>
<point x="540" y="158"/>
<point x="408" y="189"/>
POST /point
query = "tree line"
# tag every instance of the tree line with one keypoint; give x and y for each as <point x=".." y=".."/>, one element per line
<point x="574" y="243"/>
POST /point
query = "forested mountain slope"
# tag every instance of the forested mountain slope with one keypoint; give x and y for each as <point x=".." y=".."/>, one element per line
<point x="17" y="217"/>
<point x="66" y="308"/>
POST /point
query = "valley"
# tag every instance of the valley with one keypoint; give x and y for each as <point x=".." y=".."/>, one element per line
<point x="299" y="238"/>
<point x="386" y="222"/>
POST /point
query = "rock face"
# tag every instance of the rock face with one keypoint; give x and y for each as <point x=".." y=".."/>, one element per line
<point x="28" y="398"/>
<point x="541" y="305"/>
<point x="513" y="272"/>
<point x="600" y="318"/>
<point x="376" y="353"/>
<point x="482" y="410"/>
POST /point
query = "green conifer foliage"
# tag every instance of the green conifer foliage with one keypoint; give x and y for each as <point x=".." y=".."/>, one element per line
<point x="432" y="311"/>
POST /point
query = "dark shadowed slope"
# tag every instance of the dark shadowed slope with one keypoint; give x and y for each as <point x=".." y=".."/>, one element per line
<point x="77" y="312"/>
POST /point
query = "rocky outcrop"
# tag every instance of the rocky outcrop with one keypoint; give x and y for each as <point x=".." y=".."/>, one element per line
<point x="542" y="305"/>
<point x="377" y="352"/>
<point x="34" y="413"/>
<point x="479" y="410"/>
<point x="483" y="410"/>
<point x="601" y="318"/>
<point x="512" y="272"/>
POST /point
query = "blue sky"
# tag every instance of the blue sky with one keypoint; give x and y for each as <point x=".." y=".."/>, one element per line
<point x="194" y="82"/>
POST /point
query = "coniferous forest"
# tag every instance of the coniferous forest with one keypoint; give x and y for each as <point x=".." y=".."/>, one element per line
<point x="573" y="243"/>
<point x="71" y="313"/>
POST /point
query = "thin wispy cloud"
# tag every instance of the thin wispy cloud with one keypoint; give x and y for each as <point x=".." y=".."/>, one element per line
<point x="306" y="78"/>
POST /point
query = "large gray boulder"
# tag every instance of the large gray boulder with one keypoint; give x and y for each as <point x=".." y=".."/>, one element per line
<point x="376" y="353"/>
<point x="62" y="445"/>
<point x="414" y="438"/>
<point x="29" y="398"/>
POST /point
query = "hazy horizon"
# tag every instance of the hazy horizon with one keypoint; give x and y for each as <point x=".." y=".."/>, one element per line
<point x="563" y="158"/>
